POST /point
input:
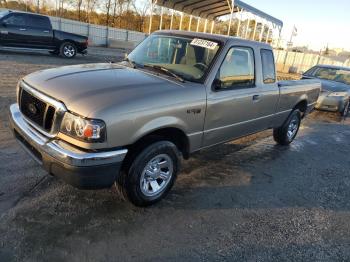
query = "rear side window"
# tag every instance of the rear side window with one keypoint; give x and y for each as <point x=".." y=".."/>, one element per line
<point x="40" y="22"/>
<point x="16" y="20"/>
<point x="237" y="69"/>
<point x="268" y="66"/>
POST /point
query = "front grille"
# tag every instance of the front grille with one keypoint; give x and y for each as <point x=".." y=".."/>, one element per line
<point x="36" y="110"/>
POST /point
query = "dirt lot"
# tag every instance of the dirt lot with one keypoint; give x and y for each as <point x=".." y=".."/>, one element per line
<point x="247" y="200"/>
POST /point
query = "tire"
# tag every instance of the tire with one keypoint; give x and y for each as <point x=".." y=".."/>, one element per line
<point x="285" y="134"/>
<point x="145" y="188"/>
<point x="345" y="112"/>
<point x="68" y="50"/>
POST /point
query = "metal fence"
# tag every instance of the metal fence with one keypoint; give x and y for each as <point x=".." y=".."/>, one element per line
<point x="296" y="62"/>
<point x="98" y="35"/>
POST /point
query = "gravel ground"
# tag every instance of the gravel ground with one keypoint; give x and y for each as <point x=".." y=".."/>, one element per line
<point x="246" y="200"/>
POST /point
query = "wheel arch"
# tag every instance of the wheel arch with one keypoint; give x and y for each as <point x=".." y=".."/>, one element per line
<point x="166" y="133"/>
<point x="302" y="105"/>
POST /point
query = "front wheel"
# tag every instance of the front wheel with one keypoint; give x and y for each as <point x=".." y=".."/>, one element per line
<point x="151" y="174"/>
<point x="68" y="50"/>
<point x="285" y="134"/>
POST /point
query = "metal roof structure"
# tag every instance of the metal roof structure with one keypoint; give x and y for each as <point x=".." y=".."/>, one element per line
<point x="212" y="9"/>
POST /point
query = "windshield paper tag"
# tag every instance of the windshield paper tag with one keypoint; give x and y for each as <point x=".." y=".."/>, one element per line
<point x="204" y="43"/>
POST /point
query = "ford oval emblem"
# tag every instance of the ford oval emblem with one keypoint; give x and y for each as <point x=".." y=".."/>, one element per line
<point x="32" y="108"/>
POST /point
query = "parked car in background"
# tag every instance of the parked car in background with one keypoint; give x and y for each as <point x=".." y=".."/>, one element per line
<point x="131" y="123"/>
<point x="335" y="81"/>
<point x="31" y="31"/>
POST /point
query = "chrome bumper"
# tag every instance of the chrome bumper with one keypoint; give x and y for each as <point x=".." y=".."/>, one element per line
<point x="58" y="149"/>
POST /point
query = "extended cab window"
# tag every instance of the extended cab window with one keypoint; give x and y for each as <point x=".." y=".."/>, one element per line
<point x="268" y="66"/>
<point x="16" y="20"/>
<point x="237" y="69"/>
<point x="40" y="22"/>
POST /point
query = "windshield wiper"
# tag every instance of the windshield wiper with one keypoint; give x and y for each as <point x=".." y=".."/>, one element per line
<point x="165" y="70"/>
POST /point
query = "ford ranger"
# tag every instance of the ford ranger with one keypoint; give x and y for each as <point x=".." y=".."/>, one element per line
<point x="132" y="122"/>
<point x="21" y="30"/>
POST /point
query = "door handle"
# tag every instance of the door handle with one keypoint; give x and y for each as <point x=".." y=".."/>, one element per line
<point x="46" y="31"/>
<point x="22" y="29"/>
<point x="256" y="98"/>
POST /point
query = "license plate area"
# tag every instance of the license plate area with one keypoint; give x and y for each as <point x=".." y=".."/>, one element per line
<point x="29" y="148"/>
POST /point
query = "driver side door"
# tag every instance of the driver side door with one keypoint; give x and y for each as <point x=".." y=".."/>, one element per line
<point x="233" y="102"/>
<point x="14" y="30"/>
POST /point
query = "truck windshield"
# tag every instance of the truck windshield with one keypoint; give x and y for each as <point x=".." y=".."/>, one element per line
<point x="189" y="58"/>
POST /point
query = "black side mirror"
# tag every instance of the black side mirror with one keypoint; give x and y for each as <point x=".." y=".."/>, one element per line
<point x="217" y="84"/>
<point x="4" y="24"/>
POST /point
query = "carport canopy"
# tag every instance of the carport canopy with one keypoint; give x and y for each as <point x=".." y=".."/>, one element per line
<point x="212" y="9"/>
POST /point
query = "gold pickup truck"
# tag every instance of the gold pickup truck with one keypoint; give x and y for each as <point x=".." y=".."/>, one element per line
<point x="132" y="122"/>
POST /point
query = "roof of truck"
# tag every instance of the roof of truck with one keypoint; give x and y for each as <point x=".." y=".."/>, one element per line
<point x="214" y="37"/>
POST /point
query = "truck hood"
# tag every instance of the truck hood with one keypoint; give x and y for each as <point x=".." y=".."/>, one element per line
<point x="85" y="89"/>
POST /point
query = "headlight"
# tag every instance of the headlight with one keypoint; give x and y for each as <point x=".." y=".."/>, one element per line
<point x="88" y="130"/>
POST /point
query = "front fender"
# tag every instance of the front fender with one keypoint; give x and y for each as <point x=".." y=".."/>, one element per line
<point x="157" y="124"/>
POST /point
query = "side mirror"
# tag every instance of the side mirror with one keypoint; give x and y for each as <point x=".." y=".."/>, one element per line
<point x="4" y="24"/>
<point x="217" y="84"/>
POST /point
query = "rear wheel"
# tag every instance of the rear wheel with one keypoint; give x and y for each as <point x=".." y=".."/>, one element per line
<point x="285" y="134"/>
<point x="68" y="50"/>
<point x="151" y="174"/>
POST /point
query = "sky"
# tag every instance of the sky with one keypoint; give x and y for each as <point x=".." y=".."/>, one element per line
<point x="319" y="22"/>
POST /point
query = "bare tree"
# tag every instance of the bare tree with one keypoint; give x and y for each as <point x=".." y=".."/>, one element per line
<point x="79" y="5"/>
<point x="108" y="8"/>
<point x="141" y="10"/>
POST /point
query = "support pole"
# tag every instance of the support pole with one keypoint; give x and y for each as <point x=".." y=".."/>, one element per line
<point x="247" y="29"/>
<point x="199" y="19"/>
<point x="161" y="18"/>
<point x="261" y="31"/>
<point x="212" y="27"/>
<point x="171" y="19"/>
<point x="190" y="23"/>
<point x="239" y="22"/>
<point x="255" y="26"/>
<point x="279" y="36"/>
<point x="151" y="16"/>
<point x="231" y="15"/>
<point x="268" y="34"/>
<point x="205" y="26"/>
<point x="181" y="18"/>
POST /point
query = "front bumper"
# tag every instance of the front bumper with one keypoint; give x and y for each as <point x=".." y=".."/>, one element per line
<point x="332" y="103"/>
<point x="82" y="169"/>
